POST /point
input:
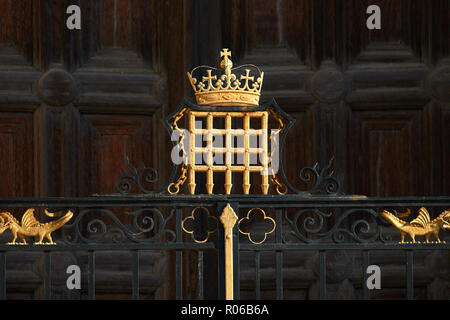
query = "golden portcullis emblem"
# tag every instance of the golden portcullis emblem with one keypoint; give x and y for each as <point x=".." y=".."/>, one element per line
<point x="237" y="137"/>
<point x="30" y="227"/>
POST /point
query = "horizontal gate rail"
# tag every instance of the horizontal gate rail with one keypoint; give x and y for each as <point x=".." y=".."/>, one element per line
<point x="107" y="246"/>
<point x="244" y="201"/>
<point x="344" y="246"/>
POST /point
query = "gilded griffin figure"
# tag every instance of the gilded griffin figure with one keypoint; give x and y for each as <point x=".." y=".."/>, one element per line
<point x="30" y="227"/>
<point x="420" y="226"/>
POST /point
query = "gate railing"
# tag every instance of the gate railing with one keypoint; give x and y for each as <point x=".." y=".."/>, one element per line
<point x="325" y="224"/>
<point x="278" y="224"/>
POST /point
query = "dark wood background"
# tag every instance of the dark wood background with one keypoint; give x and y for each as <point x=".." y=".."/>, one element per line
<point x="73" y="103"/>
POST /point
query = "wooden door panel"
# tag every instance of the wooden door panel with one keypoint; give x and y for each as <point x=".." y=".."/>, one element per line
<point x="106" y="142"/>
<point x="298" y="150"/>
<point x="369" y="70"/>
<point x="16" y="28"/>
<point x="396" y="136"/>
<point x="18" y="100"/>
<point x="16" y="165"/>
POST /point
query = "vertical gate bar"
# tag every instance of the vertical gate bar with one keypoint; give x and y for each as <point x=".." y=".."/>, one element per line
<point x="179" y="217"/>
<point x="279" y="266"/>
<point x="47" y="283"/>
<point x="322" y="275"/>
<point x="179" y="256"/>
<point x="279" y="275"/>
<point x="246" y="173"/>
<point x="278" y="226"/>
<point x="257" y="275"/>
<point x="135" y="274"/>
<point x="264" y="160"/>
<point x="221" y="264"/>
<point x="410" y="274"/>
<point x="91" y="283"/>
<point x="200" y="275"/>
<point x="191" y="172"/>
<point x="364" y="271"/>
<point x="236" y="255"/>
<point x="179" y="275"/>
<point x="228" y="218"/>
<point x="2" y="275"/>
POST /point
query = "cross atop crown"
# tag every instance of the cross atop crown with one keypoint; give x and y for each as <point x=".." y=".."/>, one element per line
<point x="226" y="64"/>
<point x="225" y="53"/>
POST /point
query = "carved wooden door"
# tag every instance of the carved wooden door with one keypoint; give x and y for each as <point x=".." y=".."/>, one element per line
<point x="74" y="103"/>
<point x="376" y="100"/>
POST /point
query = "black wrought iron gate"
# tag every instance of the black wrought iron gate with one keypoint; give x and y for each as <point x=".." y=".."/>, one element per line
<point x="322" y="225"/>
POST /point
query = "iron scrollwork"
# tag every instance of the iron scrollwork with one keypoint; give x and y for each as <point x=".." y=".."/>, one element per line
<point x="98" y="230"/>
<point x="144" y="174"/>
<point x="322" y="178"/>
<point x="313" y="226"/>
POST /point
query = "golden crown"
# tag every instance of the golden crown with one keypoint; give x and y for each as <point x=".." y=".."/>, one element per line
<point x="228" y="89"/>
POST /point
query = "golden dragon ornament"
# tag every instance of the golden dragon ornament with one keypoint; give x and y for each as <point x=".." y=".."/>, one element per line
<point x="30" y="227"/>
<point x="420" y="226"/>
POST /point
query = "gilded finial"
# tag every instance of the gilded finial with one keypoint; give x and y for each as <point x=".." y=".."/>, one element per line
<point x="226" y="64"/>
